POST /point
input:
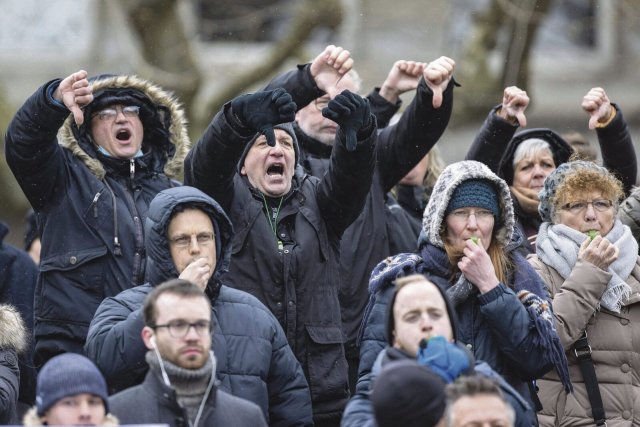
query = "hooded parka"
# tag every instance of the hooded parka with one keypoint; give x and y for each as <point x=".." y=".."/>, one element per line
<point x="254" y="360"/>
<point x="91" y="206"/>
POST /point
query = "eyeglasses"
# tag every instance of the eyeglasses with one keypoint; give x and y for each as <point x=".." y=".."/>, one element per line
<point x="179" y="328"/>
<point x="321" y="103"/>
<point x="464" y="214"/>
<point x="580" y="206"/>
<point x="112" y="112"/>
<point x="185" y="240"/>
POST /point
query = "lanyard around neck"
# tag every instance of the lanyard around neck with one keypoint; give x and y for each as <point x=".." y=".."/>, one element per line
<point x="273" y="224"/>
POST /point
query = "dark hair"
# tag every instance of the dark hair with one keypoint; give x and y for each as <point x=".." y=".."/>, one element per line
<point x="180" y="287"/>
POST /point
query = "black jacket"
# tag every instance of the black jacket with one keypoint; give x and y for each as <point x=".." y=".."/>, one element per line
<point x="375" y="233"/>
<point x="299" y="282"/>
<point x="91" y="207"/>
<point x="155" y="402"/>
<point x="255" y="361"/>
<point x="18" y="275"/>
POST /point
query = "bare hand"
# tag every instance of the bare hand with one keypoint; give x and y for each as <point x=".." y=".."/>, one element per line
<point x="437" y="75"/>
<point x="198" y="273"/>
<point x="477" y="267"/>
<point x="328" y="68"/>
<point x="75" y="92"/>
<point x="403" y="77"/>
<point x="599" y="252"/>
<point x="597" y="105"/>
<point x="514" y="102"/>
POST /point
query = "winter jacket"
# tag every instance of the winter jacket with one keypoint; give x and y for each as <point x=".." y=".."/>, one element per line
<point x="299" y="281"/>
<point x="91" y="207"/>
<point x="359" y="411"/>
<point x="399" y="148"/>
<point x="615" y="347"/>
<point x="496" y="143"/>
<point x="254" y="360"/>
<point x="13" y="340"/>
<point x="18" y="276"/>
<point x="629" y="212"/>
<point x="495" y="326"/>
<point x="155" y="402"/>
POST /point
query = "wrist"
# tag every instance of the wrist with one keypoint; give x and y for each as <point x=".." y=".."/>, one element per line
<point x="604" y="121"/>
<point x="389" y="92"/>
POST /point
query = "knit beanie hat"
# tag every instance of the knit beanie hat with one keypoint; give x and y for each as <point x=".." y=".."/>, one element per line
<point x="551" y="183"/>
<point x="287" y="127"/>
<point x="478" y="193"/>
<point x="408" y="394"/>
<point x="66" y="375"/>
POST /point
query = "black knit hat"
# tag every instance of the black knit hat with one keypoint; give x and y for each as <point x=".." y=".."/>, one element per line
<point x="408" y="394"/>
<point x="479" y="193"/>
<point x="66" y="375"/>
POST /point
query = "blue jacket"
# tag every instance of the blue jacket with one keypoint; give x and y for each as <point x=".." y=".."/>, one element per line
<point x="91" y="207"/>
<point x="254" y="359"/>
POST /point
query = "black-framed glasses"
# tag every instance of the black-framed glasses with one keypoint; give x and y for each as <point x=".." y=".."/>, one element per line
<point x="580" y="206"/>
<point x="111" y="113"/>
<point x="179" y="328"/>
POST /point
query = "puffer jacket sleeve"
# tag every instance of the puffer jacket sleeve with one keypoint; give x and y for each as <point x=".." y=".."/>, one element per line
<point x="405" y="143"/>
<point x="359" y="410"/>
<point x="629" y="212"/>
<point x="575" y="299"/>
<point x="492" y="140"/>
<point x="211" y="163"/>
<point x="32" y="149"/>
<point x="514" y="331"/>
<point x="618" y="153"/>
<point x="114" y="342"/>
<point x="343" y="189"/>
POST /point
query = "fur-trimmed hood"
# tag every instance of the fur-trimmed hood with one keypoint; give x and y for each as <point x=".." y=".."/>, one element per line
<point x="31" y="418"/>
<point x="13" y="333"/>
<point x="452" y="176"/>
<point x="162" y="115"/>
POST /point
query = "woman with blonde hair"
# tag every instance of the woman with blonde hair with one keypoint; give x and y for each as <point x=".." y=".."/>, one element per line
<point x="589" y="262"/>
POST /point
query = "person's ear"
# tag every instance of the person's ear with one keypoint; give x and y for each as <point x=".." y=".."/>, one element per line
<point x="148" y="337"/>
<point x="243" y="171"/>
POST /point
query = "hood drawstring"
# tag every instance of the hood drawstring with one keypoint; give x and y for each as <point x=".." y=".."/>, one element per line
<point x="117" y="250"/>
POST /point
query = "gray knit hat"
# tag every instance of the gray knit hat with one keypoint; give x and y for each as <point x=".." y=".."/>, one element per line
<point x="551" y="183"/>
<point x="66" y="375"/>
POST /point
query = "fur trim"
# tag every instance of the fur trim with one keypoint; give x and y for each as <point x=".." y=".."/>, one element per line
<point x="449" y="179"/>
<point x="31" y="418"/>
<point x="13" y="333"/>
<point x="179" y="135"/>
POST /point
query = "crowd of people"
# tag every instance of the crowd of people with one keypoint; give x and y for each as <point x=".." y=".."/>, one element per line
<point x="319" y="264"/>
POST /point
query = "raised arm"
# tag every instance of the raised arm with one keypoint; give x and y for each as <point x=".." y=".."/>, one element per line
<point x="402" y="145"/>
<point x="616" y="146"/>
<point x="499" y="127"/>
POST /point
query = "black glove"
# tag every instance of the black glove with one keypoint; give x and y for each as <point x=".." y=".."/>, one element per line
<point x="260" y="111"/>
<point x="351" y="112"/>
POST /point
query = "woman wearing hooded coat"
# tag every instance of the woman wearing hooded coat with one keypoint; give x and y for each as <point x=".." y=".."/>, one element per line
<point x="523" y="160"/>
<point x="499" y="299"/>
<point x="589" y="261"/>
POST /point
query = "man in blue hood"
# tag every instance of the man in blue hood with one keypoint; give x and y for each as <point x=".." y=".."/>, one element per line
<point x="254" y="360"/>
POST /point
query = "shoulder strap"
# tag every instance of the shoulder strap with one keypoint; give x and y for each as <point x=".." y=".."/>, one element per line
<point x="582" y="350"/>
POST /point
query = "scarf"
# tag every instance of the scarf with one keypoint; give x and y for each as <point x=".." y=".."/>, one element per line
<point x="528" y="200"/>
<point x="558" y="247"/>
<point x="190" y="384"/>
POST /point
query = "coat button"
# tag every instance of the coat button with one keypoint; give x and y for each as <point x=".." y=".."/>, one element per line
<point x="290" y="303"/>
<point x="469" y="346"/>
<point x="625" y="368"/>
<point x="73" y="260"/>
<point x="626" y="414"/>
<point x="283" y="235"/>
<point x="286" y="251"/>
<point x="624" y="321"/>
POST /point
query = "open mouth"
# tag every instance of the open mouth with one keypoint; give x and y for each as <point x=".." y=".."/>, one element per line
<point x="276" y="169"/>
<point x="123" y="135"/>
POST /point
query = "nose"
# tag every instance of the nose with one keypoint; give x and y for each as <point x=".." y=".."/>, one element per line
<point x="590" y="213"/>
<point x="120" y="117"/>
<point x="194" y="246"/>
<point x="425" y="322"/>
<point x="537" y="171"/>
<point x="277" y="150"/>
<point x="472" y="221"/>
<point x="84" y="412"/>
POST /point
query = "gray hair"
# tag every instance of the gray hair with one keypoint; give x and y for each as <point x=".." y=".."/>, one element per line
<point x="529" y="148"/>
<point x="474" y="385"/>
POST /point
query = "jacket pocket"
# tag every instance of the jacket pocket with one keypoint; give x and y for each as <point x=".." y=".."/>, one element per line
<point x="72" y="285"/>
<point x="326" y="363"/>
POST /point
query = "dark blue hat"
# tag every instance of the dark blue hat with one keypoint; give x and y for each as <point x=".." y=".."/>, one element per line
<point x="66" y="375"/>
<point x="478" y="193"/>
